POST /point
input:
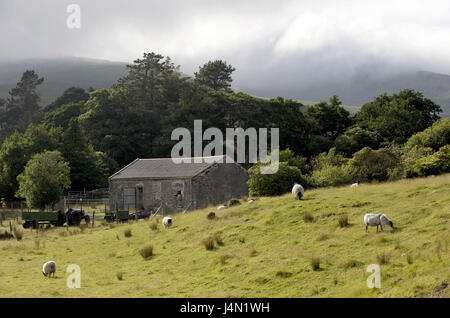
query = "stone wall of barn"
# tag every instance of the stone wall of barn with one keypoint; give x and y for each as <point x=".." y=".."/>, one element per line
<point x="175" y="193"/>
<point x="219" y="184"/>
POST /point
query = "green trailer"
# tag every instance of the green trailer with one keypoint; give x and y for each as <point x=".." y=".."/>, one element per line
<point x="112" y="216"/>
<point x="33" y="219"/>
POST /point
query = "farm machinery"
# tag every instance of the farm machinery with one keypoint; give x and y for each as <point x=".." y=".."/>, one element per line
<point x="72" y="217"/>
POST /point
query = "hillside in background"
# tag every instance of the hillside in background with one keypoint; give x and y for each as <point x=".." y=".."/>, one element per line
<point x="265" y="249"/>
<point x="62" y="73"/>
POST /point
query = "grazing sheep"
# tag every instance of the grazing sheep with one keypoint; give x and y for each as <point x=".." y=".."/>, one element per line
<point x="251" y="201"/>
<point x="49" y="268"/>
<point x="377" y="220"/>
<point x="222" y="207"/>
<point x="167" y="221"/>
<point x="298" y="191"/>
<point x="354" y="185"/>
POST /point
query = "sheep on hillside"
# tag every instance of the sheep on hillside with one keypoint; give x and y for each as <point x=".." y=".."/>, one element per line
<point x="377" y="220"/>
<point x="251" y="201"/>
<point x="354" y="185"/>
<point x="167" y="221"/>
<point x="221" y="207"/>
<point x="298" y="191"/>
<point x="48" y="268"/>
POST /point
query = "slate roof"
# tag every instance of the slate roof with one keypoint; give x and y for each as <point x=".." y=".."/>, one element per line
<point x="163" y="168"/>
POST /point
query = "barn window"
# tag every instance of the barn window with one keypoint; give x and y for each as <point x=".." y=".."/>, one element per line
<point x="129" y="198"/>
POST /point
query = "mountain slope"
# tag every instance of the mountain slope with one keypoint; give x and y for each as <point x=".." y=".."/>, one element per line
<point x="62" y="73"/>
<point x="266" y="252"/>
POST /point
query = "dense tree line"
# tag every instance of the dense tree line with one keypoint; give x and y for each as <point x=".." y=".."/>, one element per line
<point x="98" y="131"/>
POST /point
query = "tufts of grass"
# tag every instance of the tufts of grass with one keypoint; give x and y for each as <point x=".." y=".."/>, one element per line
<point x="315" y="263"/>
<point x="323" y="237"/>
<point x="253" y="252"/>
<point x="119" y="275"/>
<point x="382" y="258"/>
<point x="153" y="226"/>
<point x="308" y="217"/>
<point x="146" y="252"/>
<point x="18" y="234"/>
<point x="6" y="236"/>
<point x="223" y="259"/>
<point x="218" y="239"/>
<point x="127" y="232"/>
<point x="351" y="263"/>
<point x="209" y="243"/>
<point x="233" y="202"/>
<point x="409" y="259"/>
<point x="283" y="274"/>
<point x="241" y="239"/>
<point x="211" y="216"/>
<point x="343" y="220"/>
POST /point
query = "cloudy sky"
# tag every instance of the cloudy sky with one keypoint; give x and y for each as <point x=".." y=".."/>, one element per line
<point x="287" y="37"/>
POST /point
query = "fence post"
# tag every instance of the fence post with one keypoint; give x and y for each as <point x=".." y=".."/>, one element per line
<point x="93" y="219"/>
<point x="1" y="218"/>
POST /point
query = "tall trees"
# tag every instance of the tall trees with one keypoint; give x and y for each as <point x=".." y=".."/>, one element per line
<point x="328" y="120"/>
<point x="398" y="116"/>
<point x="215" y="74"/>
<point x="87" y="167"/>
<point x="22" y="106"/>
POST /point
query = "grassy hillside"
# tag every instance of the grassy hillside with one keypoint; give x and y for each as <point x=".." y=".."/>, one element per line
<point x="266" y="252"/>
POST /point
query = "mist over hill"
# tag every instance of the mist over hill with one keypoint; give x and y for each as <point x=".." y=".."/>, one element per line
<point x="357" y="89"/>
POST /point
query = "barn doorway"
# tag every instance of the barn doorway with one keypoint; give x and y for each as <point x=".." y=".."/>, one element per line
<point x="140" y="198"/>
<point x="129" y="198"/>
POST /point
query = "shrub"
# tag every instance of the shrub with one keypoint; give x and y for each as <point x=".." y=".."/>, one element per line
<point x="374" y="164"/>
<point x="209" y="243"/>
<point x="274" y="184"/>
<point x="127" y="232"/>
<point x="330" y="175"/>
<point x="437" y="163"/>
<point x="119" y="275"/>
<point x="233" y="202"/>
<point x="315" y="263"/>
<point x="211" y="216"/>
<point x="343" y="220"/>
<point x="18" y="234"/>
<point x="308" y="217"/>
<point x="146" y="252"/>
<point x="434" y="137"/>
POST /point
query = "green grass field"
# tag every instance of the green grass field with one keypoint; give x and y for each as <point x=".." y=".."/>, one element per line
<point x="266" y="249"/>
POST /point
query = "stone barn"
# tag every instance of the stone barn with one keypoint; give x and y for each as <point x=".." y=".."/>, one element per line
<point x="145" y="184"/>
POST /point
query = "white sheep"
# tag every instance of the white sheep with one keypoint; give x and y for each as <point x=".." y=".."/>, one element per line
<point x="251" y="201"/>
<point x="377" y="220"/>
<point x="49" y="268"/>
<point x="167" y="221"/>
<point x="298" y="191"/>
<point x="354" y="185"/>
<point x="221" y="207"/>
